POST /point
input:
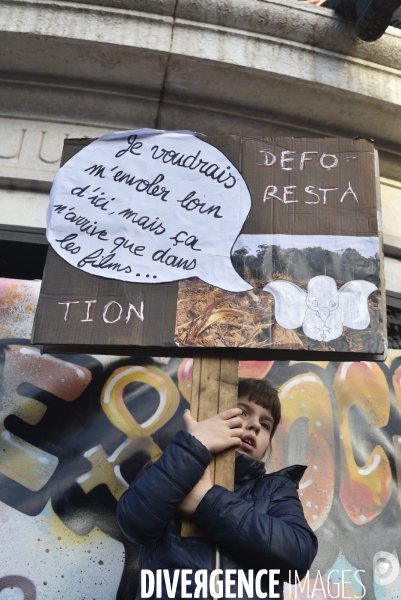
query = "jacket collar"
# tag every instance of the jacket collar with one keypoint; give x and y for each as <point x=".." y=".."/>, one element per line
<point x="247" y="469"/>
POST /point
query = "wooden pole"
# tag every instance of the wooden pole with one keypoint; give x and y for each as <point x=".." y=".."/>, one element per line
<point x="214" y="389"/>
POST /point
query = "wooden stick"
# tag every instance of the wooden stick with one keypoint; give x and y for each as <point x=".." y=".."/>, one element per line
<point x="214" y="389"/>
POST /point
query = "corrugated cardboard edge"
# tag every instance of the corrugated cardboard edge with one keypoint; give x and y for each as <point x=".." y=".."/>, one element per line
<point x="380" y="228"/>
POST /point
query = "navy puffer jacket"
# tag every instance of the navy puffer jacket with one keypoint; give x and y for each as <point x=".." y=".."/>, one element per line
<point x="260" y="525"/>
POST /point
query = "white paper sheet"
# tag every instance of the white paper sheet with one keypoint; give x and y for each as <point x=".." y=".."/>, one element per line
<point x="149" y="206"/>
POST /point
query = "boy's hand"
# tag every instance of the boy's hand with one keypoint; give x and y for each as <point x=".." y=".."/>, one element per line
<point x="190" y="503"/>
<point x="218" y="433"/>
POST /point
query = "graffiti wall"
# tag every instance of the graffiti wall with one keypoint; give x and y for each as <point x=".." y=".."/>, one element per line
<point x="76" y="429"/>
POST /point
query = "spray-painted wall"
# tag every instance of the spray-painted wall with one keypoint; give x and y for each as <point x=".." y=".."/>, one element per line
<point x="70" y="442"/>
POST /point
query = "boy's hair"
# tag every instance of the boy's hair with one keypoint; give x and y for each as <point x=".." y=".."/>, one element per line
<point x="264" y="394"/>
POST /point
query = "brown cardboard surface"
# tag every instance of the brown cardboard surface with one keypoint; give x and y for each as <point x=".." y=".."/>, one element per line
<point x="57" y="321"/>
<point x="300" y="218"/>
<point x="333" y="212"/>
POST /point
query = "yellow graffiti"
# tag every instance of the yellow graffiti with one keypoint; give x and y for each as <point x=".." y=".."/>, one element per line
<point x="106" y="469"/>
<point x="304" y="397"/>
<point x="19" y="460"/>
<point x="113" y="404"/>
<point x="397" y="387"/>
<point x="364" y="491"/>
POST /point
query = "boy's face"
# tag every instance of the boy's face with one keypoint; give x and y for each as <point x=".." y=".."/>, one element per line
<point x="257" y="423"/>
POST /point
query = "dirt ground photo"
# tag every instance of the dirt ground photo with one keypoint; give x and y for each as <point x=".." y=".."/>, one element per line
<point x="208" y="316"/>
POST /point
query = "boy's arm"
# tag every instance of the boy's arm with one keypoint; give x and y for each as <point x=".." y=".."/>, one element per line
<point x="155" y="495"/>
<point x="153" y="498"/>
<point x="282" y="539"/>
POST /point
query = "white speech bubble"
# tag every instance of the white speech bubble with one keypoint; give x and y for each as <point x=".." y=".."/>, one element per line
<point x="149" y="206"/>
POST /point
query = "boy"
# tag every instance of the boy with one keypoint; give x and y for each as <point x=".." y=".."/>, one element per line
<point x="259" y="526"/>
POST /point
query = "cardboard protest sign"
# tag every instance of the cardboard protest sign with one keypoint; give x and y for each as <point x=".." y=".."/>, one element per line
<point x="165" y="242"/>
